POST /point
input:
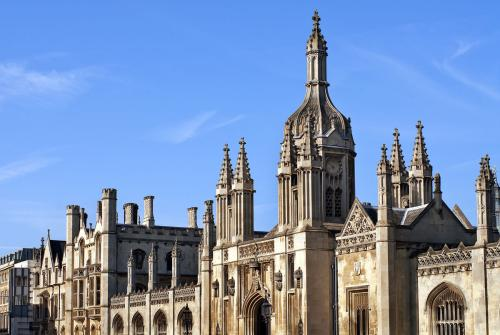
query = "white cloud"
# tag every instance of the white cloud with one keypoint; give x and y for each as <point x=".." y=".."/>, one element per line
<point x="447" y="67"/>
<point x="17" y="80"/>
<point x="23" y="167"/>
<point x="192" y="127"/>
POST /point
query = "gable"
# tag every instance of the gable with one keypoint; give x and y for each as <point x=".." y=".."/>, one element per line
<point x="359" y="231"/>
<point x="358" y="221"/>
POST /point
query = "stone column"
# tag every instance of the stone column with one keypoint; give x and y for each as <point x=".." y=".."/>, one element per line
<point x="153" y="268"/>
<point x="131" y="273"/>
<point x="130" y="213"/>
<point x="175" y="265"/>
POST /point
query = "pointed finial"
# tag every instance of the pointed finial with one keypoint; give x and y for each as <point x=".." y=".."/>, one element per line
<point x="384" y="152"/>
<point x="48" y="234"/>
<point x="437" y="183"/>
<point x="42" y="242"/>
<point x="242" y="142"/>
<point x="316" y="18"/>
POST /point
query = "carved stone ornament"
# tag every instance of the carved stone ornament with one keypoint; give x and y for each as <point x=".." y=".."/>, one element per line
<point x="278" y="278"/>
<point x="230" y="286"/>
<point x="445" y="261"/>
<point x="298" y="277"/>
<point x="357" y="268"/>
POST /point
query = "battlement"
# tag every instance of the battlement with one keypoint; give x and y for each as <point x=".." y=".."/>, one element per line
<point x="109" y="193"/>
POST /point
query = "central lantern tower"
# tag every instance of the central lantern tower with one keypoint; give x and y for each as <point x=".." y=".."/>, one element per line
<point x="316" y="167"/>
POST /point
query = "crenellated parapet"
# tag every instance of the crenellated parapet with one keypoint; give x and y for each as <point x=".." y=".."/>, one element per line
<point x="445" y="261"/>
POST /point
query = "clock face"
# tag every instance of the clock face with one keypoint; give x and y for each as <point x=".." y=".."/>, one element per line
<point x="334" y="168"/>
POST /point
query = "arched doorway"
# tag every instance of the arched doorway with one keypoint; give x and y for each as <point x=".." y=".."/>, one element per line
<point x="117" y="325"/>
<point x="257" y="311"/>
<point x="160" y="323"/>
<point x="185" y="322"/>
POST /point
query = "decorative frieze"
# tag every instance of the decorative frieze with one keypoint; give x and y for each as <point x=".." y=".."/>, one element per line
<point x="159" y="297"/>
<point x="185" y="294"/>
<point x="256" y="249"/>
<point x="118" y="302"/>
<point x="445" y="261"/>
<point x="137" y="299"/>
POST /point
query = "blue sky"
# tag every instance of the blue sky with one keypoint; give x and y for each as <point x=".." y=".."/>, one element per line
<point x="143" y="97"/>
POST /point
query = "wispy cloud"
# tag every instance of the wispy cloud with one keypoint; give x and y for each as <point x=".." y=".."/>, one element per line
<point x="446" y="66"/>
<point x="410" y="75"/>
<point x="23" y="167"/>
<point x="17" y="80"/>
<point x="189" y="128"/>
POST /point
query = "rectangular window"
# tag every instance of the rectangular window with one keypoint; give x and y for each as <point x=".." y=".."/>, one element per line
<point x="358" y="312"/>
<point x="80" y="293"/>
<point x="97" y="290"/>
<point x="90" y="293"/>
<point x="75" y="294"/>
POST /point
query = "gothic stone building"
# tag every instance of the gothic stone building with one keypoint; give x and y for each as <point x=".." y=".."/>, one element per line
<point x="331" y="265"/>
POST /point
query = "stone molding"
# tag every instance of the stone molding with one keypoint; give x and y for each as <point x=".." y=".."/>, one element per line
<point x="256" y="249"/>
<point x="358" y="234"/>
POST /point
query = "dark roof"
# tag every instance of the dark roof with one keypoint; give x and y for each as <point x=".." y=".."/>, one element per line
<point x="57" y="248"/>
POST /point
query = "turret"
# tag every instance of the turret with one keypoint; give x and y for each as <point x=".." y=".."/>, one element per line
<point x="149" y="218"/>
<point x="399" y="174"/>
<point x="130" y="211"/>
<point x="385" y="250"/>
<point x="242" y="199"/>
<point x="286" y="168"/>
<point x="208" y="230"/>
<point x="223" y="198"/>
<point x="323" y="166"/>
<point x="384" y="175"/>
<point x="153" y="268"/>
<point x="108" y="201"/>
<point x="72" y="223"/>
<point x="420" y="176"/>
<point x="192" y="217"/>
<point x="485" y="202"/>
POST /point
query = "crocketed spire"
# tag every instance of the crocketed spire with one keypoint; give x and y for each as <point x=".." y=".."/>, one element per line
<point x="397" y="158"/>
<point x="420" y="158"/>
<point x="486" y="176"/>
<point x="287" y="153"/>
<point x="242" y="173"/>
<point x="226" y="170"/>
<point x="384" y="165"/>
<point x="309" y="149"/>
<point x="316" y="42"/>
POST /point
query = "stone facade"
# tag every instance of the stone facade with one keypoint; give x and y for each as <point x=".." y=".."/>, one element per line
<point x="331" y="264"/>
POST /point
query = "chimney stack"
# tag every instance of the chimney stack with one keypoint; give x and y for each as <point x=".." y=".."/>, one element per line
<point x="192" y="217"/>
<point x="149" y="219"/>
<point x="130" y="213"/>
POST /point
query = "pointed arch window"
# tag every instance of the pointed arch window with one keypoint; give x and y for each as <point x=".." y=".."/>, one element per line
<point x="338" y="202"/>
<point x="139" y="256"/>
<point x="98" y="249"/>
<point x="81" y="252"/>
<point x="448" y="311"/>
<point x="118" y="325"/>
<point x="138" y="325"/>
<point x="160" y="324"/>
<point x="329" y="202"/>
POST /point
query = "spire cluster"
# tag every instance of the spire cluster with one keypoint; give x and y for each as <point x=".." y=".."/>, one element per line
<point x="420" y="158"/>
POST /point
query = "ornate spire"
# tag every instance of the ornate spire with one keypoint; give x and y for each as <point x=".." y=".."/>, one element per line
<point x="309" y="149"/>
<point x="420" y="159"/>
<point x="316" y="42"/>
<point x="383" y="166"/>
<point x="226" y="170"/>
<point x="287" y="153"/>
<point x="242" y="174"/>
<point x="486" y="176"/>
<point x="397" y="158"/>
